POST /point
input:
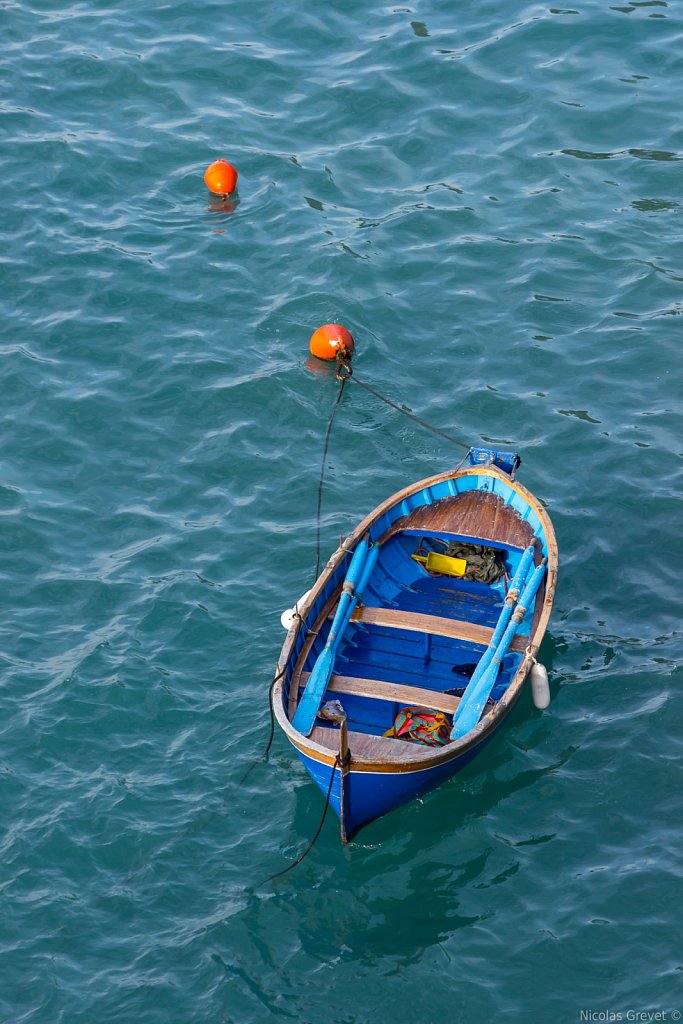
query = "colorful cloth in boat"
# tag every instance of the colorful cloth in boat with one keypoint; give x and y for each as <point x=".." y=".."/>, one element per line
<point x="419" y="726"/>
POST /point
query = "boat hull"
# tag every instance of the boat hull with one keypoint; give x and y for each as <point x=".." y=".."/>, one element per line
<point x="373" y="775"/>
<point x="360" y="797"/>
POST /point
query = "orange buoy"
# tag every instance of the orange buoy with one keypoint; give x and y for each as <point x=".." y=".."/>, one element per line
<point x="220" y="177"/>
<point x="332" y="340"/>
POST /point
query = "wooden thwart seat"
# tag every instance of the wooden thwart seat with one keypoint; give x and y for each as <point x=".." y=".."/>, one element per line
<point x="395" y="692"/>
<point x="434" y="625"/>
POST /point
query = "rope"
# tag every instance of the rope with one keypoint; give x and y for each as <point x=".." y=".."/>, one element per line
<point x="405" y="412"/>
<point x="342" y="377"/>
<point x="278" y="874"/>
<point x="264" y="755"/>
<point x="276" y="678"/>
<point x="344" y="373"/>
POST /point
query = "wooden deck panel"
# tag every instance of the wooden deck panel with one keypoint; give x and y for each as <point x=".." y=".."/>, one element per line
<point x="394" y="692"/>
<point x="368" y="748"/>
<point x="435" y="625"/>
<point x="477" y="514"/>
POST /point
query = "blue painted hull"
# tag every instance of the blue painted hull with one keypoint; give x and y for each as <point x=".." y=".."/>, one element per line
<point x="369" y="795"/>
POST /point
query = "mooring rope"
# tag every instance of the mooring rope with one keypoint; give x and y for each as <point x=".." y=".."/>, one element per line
<point x="404" y="412"/>
<point x="278" y="874"/>
<point x="276" y="678"/>
<point x="262" y="756"/>
<point x="344" y="373"/>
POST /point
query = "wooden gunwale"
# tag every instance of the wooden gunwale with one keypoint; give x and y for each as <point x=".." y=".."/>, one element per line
<point x="425" y="757"/>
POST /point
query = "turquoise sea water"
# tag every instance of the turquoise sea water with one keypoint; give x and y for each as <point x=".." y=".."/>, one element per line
<point x="489" y="196"/>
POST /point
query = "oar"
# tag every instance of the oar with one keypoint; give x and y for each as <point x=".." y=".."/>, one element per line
<point x="472" y="703"/>
<point x="322" y="670"/>
<point x="511" y="598"/>
<point x="304" y="718"/>
<point x="367" y="571"/>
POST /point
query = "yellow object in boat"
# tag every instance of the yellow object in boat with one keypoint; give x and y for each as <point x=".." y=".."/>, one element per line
<point x="444" y="564"/>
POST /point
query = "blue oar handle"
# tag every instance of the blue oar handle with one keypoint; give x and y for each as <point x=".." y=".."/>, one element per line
<point x="529" y="592"/>
<point x="305" y="716"/>
<point x="520" y="577"/>
<point x="357" y="562"/>
<point x="474" y="699"/>
<point x="523" y="605"/>
<point x="518" y="580"/>
<point x="368" y="569"/>
<point x="366" y="573"/>
<point x="348" y="586"/>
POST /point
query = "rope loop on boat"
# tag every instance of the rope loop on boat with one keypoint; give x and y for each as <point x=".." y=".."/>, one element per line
<point x="278" y="874"/>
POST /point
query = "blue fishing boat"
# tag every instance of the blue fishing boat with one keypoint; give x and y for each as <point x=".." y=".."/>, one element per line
<point x="411" y="648"/>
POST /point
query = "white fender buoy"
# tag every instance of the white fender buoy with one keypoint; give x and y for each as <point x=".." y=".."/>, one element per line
<point x="540" y="690"/>
<point x="289" y="614"/>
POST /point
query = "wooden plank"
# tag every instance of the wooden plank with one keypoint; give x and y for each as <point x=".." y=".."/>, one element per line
<point x="394" y="692"/>
<point x="479" y="514"/>
<point x="434" y="624"/>
<point x="372" y="748"/>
